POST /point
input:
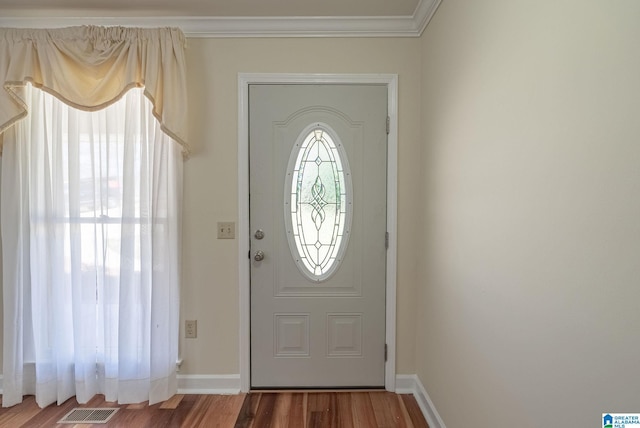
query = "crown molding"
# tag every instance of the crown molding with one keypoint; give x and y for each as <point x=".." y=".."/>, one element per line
<point x="424" y="12"/>
<point x="217" y="27"/>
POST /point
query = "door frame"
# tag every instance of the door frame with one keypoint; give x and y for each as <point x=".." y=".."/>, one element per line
<point x="243" y="233"/>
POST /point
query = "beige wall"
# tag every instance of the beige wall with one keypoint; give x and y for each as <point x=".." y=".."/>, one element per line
<point x="210" y="279"/>
<point x="529" y="304"/>
<point x="210" y="266"/>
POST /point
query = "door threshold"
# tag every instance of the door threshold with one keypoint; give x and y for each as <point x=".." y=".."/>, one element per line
<point x="316" y="390"/>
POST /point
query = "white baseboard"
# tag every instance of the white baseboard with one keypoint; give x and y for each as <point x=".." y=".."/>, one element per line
<point x="199" y="384"/>
<point x="411" y="384"/>
<point x="406" y="384"/>
<point x="230" y="384"/>
<point x="209" y="384"/>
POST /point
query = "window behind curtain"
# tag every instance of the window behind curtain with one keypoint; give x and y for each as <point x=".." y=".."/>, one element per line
<point x="99" y="247"/>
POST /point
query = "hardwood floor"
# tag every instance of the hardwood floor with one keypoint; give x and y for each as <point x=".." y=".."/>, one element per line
<point x="375" y="409"/>
<point x="330" y="409"/>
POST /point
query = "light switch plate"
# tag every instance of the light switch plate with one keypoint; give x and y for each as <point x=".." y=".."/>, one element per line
<point x="226" y="230"/>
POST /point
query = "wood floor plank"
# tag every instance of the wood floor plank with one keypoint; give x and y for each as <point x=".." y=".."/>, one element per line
<point x="415" y="413"/>
<point x="265" y="409"/>
<point x="345" y="410"/>
<point x="133" y="416"/>
<point x="18" y="415"/>
<point x="281" y="410"/>
<point x="363" y="415"/>
<point x="387" y="410"/>
<point x="137" y="406"/>
<point x="316" y="405"/>
<point x="222" y="411"/>
<point x="235" y="404"/>
<point x="321" y="410"/>
<point x="128" y="418"/>
<point x="173" y="402"/>
<point x="298" y="411"/>
<point x="164" y="418"/>
<point x="404" y="413"/>
<point x="52" y="414"/>
<point x="98" y="401"/>
<point x="248" y="410"/>
<point x="174" y="418"/>
<point x="194" y="417"/>
<point x="333" y="410"/>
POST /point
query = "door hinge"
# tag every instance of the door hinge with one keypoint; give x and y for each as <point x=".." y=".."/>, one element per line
<point x="385" y="352"/>
<point x="388" y="124"/>
<point x="386" y="240"/>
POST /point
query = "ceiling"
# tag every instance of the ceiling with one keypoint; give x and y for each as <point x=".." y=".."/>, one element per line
<point x="219" y="18"/>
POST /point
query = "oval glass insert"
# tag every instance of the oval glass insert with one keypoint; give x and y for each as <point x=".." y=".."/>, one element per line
<point x="318" y="202"/>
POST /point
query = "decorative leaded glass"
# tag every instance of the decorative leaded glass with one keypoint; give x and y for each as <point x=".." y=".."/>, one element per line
<point x="318" y="202"/>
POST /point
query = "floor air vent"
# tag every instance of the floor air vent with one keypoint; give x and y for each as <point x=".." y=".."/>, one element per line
<point x="88" y="416"/>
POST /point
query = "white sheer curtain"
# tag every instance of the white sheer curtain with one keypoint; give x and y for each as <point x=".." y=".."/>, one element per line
<point x="90" y="207"/>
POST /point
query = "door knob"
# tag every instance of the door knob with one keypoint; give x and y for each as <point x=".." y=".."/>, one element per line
<point x="259" y="256"/>
<point x="259" y="234"/>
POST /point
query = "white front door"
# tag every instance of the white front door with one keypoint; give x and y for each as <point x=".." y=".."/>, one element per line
<point x="317" y="228"/>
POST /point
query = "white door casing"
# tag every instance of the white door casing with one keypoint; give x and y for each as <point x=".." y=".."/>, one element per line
<point x="390" y="81"/>
<point x="318" y="273"/>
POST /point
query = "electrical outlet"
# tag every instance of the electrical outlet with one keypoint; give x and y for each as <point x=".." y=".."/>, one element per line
<point x="191" y="329"/>
<point x="226" y="230"/>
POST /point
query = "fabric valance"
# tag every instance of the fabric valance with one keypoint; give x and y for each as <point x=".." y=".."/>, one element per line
<point x="91" y="67"/>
